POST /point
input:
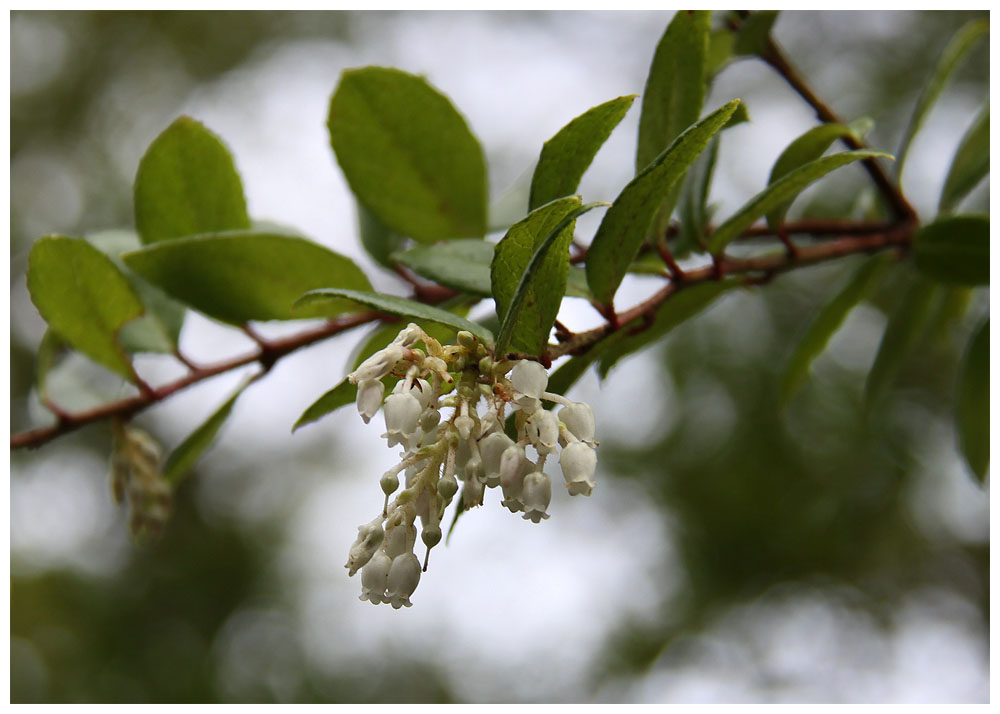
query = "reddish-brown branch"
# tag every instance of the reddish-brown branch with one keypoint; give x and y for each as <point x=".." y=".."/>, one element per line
<point x="275" y="350"/>
<point x="773" y="56"/>
<point x="766" y="266"/>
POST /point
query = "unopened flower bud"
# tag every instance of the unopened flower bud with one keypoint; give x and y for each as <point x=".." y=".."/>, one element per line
<point x="375" y="578"/>
<point x="466" y="339"/>
<point x="578" y="462"/>
<point x="486" y="365"/>
<point x="404" y="576"/>
<point x="465" y="425"/>
<point x="409" y="335"/>
<point x="535" y="495"/>
<point x="389" y="482"/>
<point x="579" y="419"/>
<point x="370" y="392"/>
<point x="447" y="487"/>
<point x="429" y="419"/>
<point x="431" y="535"/>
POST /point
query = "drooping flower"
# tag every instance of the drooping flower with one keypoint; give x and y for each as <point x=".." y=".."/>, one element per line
<point x="403" y="578"/>
<point x="578" y="462"/>
<point x="535" y="495"/>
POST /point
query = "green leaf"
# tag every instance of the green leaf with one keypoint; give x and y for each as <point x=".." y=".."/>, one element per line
<point x="673" y="97"/>
<point x="972" y="405"/>
<point x="827" y="322"/>
<point x="408" y="155"/>
<point x="566" y="156"/>
<point x="83" y="297"/>
<point x="187" y="184"/>
<point x="970" y="165"/>
<point x="955" y="249"/>
<point x="343" y="394"/>
<point x="675" y="86"/>
<point x="905" y="325"/>
<point x="529" y="274"/>
<point x="776" y="194"/>
<point x="808" y="147"/>
<point x="49" y="351"/>
<point x="392" y="305"/>
<point x="158" y="330"/>
<point x="380" y="242"/>
<point x="182" y="458"/>
<point x="460" y="264"/>
<point x="720" y="51"/>
<point x="960" y="45"/>
<point x="694" y="210"/>
<point x="624" y="227"/>
<point x="682" y="305"/>
<point x="465" y="265"/>
<point x="755" y="33"/>
<point x="244" y="275"/>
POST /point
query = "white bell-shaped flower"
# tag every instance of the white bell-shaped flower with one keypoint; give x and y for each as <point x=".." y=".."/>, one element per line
<point x="375" y="578"/>
<point x="402" y="414"/>
<point x="535" y="495"/>
<point x="404" y="576"/>
<point x="491" y="448"/>
<point x="370" y="537"/>
<point x="472" y="493"/>
<point x="543" y="431"/>
<point x="529" y="380"/>
<point x="578" y="462"/>
<point x="379" y="364"/>
<point x="370" y="393"/>
<point x="579" y="419"/>
<point x="420" y="388"/>
<point x="512" y="466"/>
<point x="400" y="539"/>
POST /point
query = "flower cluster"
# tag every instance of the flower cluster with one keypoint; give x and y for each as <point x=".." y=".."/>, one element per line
<point x="468" y="445"/>
<point x="136" y="476"/>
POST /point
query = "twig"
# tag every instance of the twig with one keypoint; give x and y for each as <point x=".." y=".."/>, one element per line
<point x="773" y="56"/>
<point x="767" y="265"/>
<point x="275" y="350"/>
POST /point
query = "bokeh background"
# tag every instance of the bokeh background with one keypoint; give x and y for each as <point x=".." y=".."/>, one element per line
<point x="731" y="551"/>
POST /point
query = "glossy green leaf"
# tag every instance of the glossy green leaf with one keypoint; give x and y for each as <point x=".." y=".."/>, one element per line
<point x="84" y="297"/>
<point x="380" y="242"/>
<point x="755" y="33"/>
<point x="529" y="273"/>
<point x="778" y="193"/>
<point x="343" y="394"/>
<point x="694" y="210"/>
<point x="951" y="308"/>
<point x="906" y="322"/>
<point x="408" y="155"/>
<point x="182" y="458"/>
<point x="955" y="249"/>
<point x="972" y="407"/>
<point x="675" y="85"/>
<point x="827" y="322"/>
<point x="624" y="227"/>
<point x="392" y="305"/>
<point x="567" y="155"/>
<point x="957" y="49"/>
<point x="681" y="306"/>
<point x="241" y="276"/>
<point x="808" y="147"/>
<point x="970" y="165"/>
<point x="673" y="97"/>
<point x="465" y="265"/>
<point x="158" y="330"/>
<point x="187" y="184"/>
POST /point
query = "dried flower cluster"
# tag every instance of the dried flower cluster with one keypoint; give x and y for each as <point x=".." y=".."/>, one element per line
<point x="468" y="445"/>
